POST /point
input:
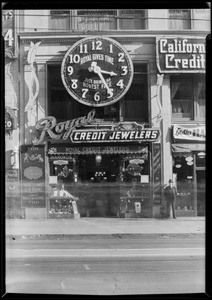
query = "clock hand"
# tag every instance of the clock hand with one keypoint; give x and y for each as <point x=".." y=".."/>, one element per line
<point x="97" y="70"/>
<point x="106" y="72"/>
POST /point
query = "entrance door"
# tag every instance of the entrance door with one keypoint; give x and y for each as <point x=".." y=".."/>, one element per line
<point x="200" y="192"/>
<point x="99" y="189"/>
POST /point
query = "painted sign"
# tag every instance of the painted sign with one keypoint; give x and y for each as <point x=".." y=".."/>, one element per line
<point x="67" y="152"/>
<point x="33" y="176"/>
<point x="180" y="55"/>
<point x="8" y="32"/>
<point x="156" y="152"/>
<point x="122" y="132"/>
<point x="12" y="183"/>
<point x="189" y="132"/>
<point x="187" y="147"/>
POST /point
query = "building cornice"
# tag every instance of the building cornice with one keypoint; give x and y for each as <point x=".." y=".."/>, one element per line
<point x="147" y="36"/>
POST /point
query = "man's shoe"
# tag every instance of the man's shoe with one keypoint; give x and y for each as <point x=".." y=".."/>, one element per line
<point x="175" y="218"/>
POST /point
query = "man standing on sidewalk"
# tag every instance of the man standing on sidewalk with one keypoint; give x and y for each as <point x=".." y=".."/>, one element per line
<point x="170" y="193"/>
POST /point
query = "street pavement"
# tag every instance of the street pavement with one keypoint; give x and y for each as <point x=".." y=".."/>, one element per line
<point x="104" y="226"/>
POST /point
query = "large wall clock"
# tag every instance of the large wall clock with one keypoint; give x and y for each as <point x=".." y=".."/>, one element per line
<point x="97" y="71"/>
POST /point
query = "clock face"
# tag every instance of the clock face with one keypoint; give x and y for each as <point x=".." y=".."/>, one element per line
<point x="97" y="71"/>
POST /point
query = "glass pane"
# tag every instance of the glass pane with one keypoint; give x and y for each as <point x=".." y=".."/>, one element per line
<point x="132" y="19"/>
<point x="59" y="19"/>
<point x="96" y="19"/>
<point x="181" y="92"/>
<point x="179" y="19"/>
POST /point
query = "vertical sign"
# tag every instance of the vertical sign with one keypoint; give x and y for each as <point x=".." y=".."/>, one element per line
<point x="8" y="32"/>
<point x="33" y="176"/>
<point x="157" y="197"/>
<point x="12" y="193"/>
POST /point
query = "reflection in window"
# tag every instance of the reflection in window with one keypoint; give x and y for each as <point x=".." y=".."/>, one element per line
<point x="179" y="19"/>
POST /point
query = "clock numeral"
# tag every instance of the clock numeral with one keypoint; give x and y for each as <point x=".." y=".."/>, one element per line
<point x="83" y="48"/>
<point x="111" y="48"/>
<point x="97" y="97"/>
<point x="124" y="68"/>
<point x="120" y="84"/>
<point x="121" y="57"/>
<point x="84" y="92"/>
<point x="96" y="45"/>
<point x="74" y="58"/>
<point x="110" y="92"/>
<point x="70" y="70"/>
<point x="74" y="83"/>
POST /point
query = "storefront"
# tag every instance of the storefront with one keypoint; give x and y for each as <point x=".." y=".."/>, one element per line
<point x="188" y="150"/>
<point x="106" y="167"/>
<point x="182" y="59"/>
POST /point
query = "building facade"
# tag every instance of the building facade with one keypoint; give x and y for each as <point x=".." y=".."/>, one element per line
<point x="110" y="137"/>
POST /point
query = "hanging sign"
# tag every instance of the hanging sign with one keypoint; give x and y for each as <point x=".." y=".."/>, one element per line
<point x="189" y="132"/>
<point x="33" y="176"/>
<point x="180" y="55"/>
<point x="71" y="130"/>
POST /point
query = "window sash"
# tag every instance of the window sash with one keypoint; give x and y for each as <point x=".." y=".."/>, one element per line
<point x="179" y="19"/>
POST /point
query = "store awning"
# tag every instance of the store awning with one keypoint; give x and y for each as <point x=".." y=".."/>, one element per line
<point x="187" y="148"/>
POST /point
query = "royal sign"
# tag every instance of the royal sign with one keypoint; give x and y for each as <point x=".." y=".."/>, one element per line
<point x="71" y="130"/>
<point x="180" y="55"/>
<point x="189" y="132"/>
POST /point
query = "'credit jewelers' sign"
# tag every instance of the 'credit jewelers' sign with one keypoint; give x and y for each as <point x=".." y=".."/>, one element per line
<point x="71" y="130"/>
<point x="188" y="132"/>
<point x="180" y="55"/>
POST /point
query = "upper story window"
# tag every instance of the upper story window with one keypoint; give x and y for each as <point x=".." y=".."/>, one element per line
<point x="59" y="19"/>
<point x="188" y="97"/>
<point x="179" y="19"/>
<point x="97" y="19"/>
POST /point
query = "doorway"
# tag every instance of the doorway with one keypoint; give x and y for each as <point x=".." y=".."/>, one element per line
<point x="99" y="192"/>
<point x="200" y="175"/>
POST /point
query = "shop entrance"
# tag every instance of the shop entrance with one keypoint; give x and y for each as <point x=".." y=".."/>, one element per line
<point x="99" y="187"/>
<point x="200" y="175"/>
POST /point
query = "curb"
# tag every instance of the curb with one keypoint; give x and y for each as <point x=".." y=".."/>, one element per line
<point x="102" y="236"/>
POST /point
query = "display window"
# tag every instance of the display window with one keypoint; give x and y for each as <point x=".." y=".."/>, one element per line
<point x="189" y="179"/>
<point x="104" y="185"/>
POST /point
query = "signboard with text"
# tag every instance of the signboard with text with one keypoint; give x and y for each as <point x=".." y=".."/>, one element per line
<point x="189" y="132"/>
<point x="32" y="176"/>
<point x="88" y="129"/>
<point x="180" y="54"/>
<point x="8" y="32"/>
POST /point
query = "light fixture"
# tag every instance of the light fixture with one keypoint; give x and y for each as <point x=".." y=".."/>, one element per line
<point x="178" y="166"/>
<point x="189" y="158"/>
<point x="98" y="158"/>
<point x="190" y="163"/>
<point x="201" y="154"/>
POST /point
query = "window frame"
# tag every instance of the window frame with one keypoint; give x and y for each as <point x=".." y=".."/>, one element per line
<point x="194" y="79"/>
<point x="190" y="21"/>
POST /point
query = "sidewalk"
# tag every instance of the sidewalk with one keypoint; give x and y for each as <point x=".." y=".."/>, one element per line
<point x="105" y="226"/>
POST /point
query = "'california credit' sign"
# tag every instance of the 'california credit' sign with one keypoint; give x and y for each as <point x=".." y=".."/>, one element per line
<point x="182" y="55"/>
